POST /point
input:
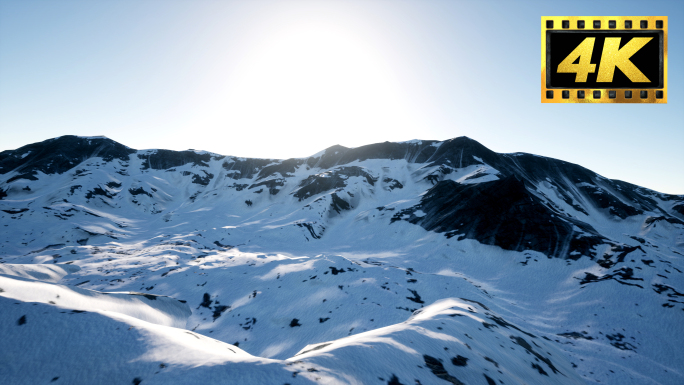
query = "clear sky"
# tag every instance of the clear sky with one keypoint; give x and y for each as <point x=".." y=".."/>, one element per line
<point x="284" y="79"/>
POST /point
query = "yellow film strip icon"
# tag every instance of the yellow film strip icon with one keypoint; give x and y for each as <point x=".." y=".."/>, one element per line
<point x="604" y="59"/>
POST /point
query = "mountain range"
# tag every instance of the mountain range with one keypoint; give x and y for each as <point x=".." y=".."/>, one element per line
<point x="419" y="262"/>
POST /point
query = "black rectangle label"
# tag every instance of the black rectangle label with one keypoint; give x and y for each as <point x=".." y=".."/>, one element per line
<point x="648" y="59"/>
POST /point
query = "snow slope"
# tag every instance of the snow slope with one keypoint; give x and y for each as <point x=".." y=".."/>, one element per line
<point x="44" y="343"/>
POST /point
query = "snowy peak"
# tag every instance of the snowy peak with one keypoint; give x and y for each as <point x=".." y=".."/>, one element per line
<point x="463" y="152"/>
<point x="58" y="155"/>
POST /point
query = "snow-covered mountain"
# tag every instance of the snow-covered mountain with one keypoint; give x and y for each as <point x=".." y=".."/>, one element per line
<point x="420" y="262"/>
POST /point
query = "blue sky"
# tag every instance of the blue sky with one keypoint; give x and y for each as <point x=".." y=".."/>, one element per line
<point x="289" y="78"/>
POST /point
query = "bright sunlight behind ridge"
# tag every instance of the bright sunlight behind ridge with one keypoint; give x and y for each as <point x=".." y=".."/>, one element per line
<point x="313" y="77"/>
<point x="289" y="78"/>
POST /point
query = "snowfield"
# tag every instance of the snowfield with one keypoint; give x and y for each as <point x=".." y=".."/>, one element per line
<point x="419" y="262"/>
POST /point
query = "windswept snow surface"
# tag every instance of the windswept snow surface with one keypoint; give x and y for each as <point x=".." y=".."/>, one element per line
<point x="147" y="307"/>
<point x="122" y="347"/>
<point x="420" y="262"/>
<point x="47" y="273"/>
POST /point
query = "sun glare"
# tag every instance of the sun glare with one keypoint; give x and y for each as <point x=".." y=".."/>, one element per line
<point x="315" y="80"/>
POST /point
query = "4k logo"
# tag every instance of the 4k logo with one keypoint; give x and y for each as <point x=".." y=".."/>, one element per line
<point x="604" y="59"/>
<point x="611" y="57"/>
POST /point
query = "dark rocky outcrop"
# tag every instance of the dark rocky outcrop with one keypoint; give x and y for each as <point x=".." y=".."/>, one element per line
<point x="271" y="184"/>
<point x="165" y="159"/>
<point x="501" y="213"/>
<point x="241" y="168"/>
<point x="284" y="168"/>
<point x="334" y="179"/>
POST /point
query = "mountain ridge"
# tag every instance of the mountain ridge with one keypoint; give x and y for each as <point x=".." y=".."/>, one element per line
<point x="71" y="140"/>
<point x="577" y="190"/>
